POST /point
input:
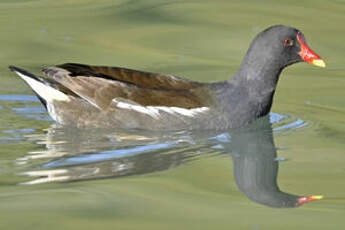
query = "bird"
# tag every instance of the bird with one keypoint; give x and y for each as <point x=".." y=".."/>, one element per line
<point x="89" y="96"/>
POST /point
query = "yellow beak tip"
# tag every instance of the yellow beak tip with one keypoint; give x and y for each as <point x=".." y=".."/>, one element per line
<point x="319" y="63"/>
<point x="319" y="197"/>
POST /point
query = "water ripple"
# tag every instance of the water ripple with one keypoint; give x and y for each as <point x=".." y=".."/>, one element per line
<point x="22" y="98"/>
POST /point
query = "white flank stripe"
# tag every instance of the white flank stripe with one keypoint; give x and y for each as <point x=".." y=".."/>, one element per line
<point x="154" y="111"/>
<point x="141" y="109"/>
<point x="46" y="92"/>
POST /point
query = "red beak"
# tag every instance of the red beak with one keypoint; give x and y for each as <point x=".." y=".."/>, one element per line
<point x="307" y="54"/>
<point x="305" y="199"/>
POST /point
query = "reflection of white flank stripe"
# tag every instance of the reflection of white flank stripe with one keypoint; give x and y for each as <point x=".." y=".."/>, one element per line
<point x="46" y="92"/>
<point x="154" y="111"/>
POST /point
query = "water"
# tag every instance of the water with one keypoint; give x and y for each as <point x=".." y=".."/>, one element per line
<point x="60" y="178"/>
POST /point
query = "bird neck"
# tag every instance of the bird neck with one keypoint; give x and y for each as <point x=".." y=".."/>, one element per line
<point x="254" y="86"/>
<point x="260" y="73"/>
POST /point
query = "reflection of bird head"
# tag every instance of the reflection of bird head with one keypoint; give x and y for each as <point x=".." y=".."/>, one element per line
<point x="277" y="198"/>
<point x="256" y="168"/>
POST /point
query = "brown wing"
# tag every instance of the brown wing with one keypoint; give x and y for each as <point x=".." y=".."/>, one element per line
<point x="101" y="89"/>
<point x="138" y="78"/>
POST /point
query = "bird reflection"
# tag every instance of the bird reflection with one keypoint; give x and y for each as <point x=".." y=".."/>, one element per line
<point x="256" y="167"/>
<point x="78" y="155"/>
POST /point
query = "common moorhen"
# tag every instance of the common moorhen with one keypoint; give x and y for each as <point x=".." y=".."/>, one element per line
<point x="99" y="96"/>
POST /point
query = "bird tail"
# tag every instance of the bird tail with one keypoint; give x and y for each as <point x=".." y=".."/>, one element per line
<point x="47" y="90"/>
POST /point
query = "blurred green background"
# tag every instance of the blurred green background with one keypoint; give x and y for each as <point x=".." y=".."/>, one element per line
<point x="200" y="40"/>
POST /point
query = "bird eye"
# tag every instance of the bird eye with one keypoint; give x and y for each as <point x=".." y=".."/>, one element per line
<point x="288" y="42"/>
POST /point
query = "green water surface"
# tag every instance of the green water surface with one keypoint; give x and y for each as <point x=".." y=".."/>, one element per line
<point x="200" y="40"/>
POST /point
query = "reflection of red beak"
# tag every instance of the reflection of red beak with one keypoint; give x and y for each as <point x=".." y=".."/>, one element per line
<point x="305" y="199"/>
<point x="307" y="54"/>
